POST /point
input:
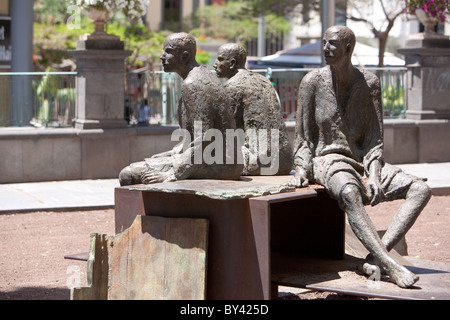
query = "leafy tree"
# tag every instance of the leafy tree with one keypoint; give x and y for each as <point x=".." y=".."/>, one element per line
<point x="238" y="21"/>
<point x="52" y="11"/>
<point x="356" y="11"/>
<point x="280" y="7"/>
<point x="392" y="9"/>
<point x="53" y="38"/>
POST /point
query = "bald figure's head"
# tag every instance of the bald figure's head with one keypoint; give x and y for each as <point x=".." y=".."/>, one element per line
<point x="338" y="45"/>
<point x="230" y="58"/>
<point x="178" y="52"/>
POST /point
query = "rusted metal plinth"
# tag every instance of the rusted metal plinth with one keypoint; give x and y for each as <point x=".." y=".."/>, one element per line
<point x="290" y="238"/>
<point x="245" y="230"/>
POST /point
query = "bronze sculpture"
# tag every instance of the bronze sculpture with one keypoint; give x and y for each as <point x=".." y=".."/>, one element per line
<point x="202" y="110"/>
<point x="339" y="144"/>
<point x="257" y="112"/>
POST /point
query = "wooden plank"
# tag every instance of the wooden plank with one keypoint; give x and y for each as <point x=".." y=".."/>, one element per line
<point x="155" y="259"/>
<point x="97" y="271"/>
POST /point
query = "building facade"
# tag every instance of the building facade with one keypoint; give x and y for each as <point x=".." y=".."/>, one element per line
<point x="162" y="14"/>
<point x="5" y="36"/>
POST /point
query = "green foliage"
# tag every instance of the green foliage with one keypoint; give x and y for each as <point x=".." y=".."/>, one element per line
<point x="393" y="99"/>
<point x="203" y="57"/>
<point x="59" y="36"/>
<point x="53" y="11"/>
<point x="52" y="41"/>
<point x="238" y="23"/>
<point x="279" y="7"/>
<point x="145" y="44"/>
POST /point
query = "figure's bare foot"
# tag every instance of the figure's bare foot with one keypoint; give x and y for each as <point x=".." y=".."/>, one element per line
<point x="399" y="275"/>
<point x="402" y="276"/>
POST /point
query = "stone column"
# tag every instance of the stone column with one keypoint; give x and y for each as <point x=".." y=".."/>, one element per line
<point x="428" y="89"/>
<point x="21" y="106"/>
<point x="100" y="82"/>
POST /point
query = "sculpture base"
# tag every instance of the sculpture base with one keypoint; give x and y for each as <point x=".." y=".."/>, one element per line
<point x="420" y="40"/>
<point x="245" y="229"/>
<point x="100" y="41"/>
<point x="100" y="84"/>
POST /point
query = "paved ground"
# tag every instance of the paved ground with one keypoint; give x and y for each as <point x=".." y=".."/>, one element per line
<point x="77" y="194"/>
<point x="37" y="240"/>
<point x="99" y="194"/>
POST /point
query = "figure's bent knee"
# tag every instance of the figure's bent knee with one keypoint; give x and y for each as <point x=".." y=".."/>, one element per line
<point x="419" y="189"/>
<point x="349" y="194"/>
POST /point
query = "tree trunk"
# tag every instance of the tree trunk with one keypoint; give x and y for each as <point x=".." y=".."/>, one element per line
<point x="382" y="40"/>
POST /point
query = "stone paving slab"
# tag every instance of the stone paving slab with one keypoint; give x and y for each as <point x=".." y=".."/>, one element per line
<point x="88" y="194"/>
<point x="57" y="195"/>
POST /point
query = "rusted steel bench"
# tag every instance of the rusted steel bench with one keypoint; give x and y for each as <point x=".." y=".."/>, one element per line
<point x="250" y="221"/>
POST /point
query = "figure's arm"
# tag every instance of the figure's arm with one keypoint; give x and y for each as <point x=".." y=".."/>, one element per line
<point x="302" y="141"/>
<point x="199" y="105"/>
<point x="373" y="161"/>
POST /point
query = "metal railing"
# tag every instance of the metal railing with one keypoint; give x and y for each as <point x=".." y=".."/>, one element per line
<point x="393" y="91"/>
<point x="163" y="91"/>
<point x="43" y="99"/>
<point x="392" y="81"/>
<point x="48" y="98"/>
<point x="158" y="90"/>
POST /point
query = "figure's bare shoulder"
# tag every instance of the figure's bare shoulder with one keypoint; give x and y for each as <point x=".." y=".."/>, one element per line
<point x="371" y="79"/>
<point x="313" y="77"/>
<point x="311" y="80"/>
<point x="200" y="80"/>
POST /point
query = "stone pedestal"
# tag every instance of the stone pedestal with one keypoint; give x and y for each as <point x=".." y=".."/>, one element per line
<point x="428" y="62"/>
<point x="100" y="83"/>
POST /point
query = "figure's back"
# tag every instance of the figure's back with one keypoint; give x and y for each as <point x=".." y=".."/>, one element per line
<point x="255" y="104"/>
<point x="204" y="100"/>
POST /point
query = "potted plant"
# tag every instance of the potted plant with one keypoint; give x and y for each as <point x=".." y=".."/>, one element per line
<point x="429" y="12"/>
<point x="99" y="11"/>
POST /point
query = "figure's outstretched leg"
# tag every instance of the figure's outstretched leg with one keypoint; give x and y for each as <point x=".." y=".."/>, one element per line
<point x="417" y="197"/>
<point x="351" y="202"/>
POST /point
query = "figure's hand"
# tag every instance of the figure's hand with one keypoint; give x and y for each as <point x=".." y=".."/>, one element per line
<point x="299" y="179"/>
<point x="157" y="176"/>
<point x="374" y="190"/>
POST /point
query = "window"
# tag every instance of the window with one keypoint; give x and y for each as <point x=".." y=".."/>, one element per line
<point x="172" y="12"/>
<point x="4" y="8"/>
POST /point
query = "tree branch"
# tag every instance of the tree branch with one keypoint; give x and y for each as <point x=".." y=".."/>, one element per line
<point x="384" y="10"/>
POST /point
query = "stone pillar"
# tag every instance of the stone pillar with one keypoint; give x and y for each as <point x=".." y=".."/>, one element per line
<point x="428" y="89"/>
<point x="100" y="82"/>
<point x="21" y="102"/>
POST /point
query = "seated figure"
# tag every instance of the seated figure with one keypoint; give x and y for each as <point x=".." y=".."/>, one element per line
<point x="257" y="112"/>
<point x="202" y="110"/>
<point x="339" y="144"/>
